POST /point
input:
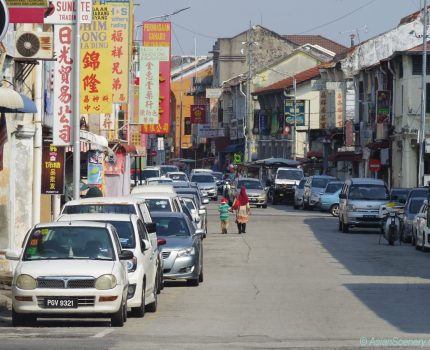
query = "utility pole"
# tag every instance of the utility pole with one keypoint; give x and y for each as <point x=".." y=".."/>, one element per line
<point x="249" y="137"/>
<point x="422" y="132"/>
<point x="181" y="110"/>
<point x="295" y="118"/>
<point x="76" y="107"/>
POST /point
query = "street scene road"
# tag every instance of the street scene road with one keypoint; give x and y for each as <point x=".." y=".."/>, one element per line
<point x="291" y="281"/>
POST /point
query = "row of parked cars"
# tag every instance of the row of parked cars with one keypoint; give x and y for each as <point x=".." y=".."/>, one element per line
<point x="357" y="203"/>
<point x="109" y="256"/>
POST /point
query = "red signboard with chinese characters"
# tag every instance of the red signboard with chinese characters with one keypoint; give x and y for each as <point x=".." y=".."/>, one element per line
<point x="63" y="87"/>
<point x="158" y="34"/>
<point x="198" y="114"/>
<point x="53" y="170"/>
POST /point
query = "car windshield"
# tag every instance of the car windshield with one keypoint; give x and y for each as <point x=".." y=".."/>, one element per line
<point x="319" y="182"/>
<point x="147" y="173"/>
<point x="171" y="226"/>
<point x="156" y="204"/>
<point x="167" y="169"/>
<point x="415" y="206"/>
<point x="100" y="208"/>
<point x="302" y="184"/>
<point x="419" y="192"/>
<point x="178" y="177"/>
<point x="250" y="185"/>
<point x="71" y="242"/>
<point x="217" y="176"/>
<point x="368" y="192"/>
<point x="293" y="174"/>
<point x="399" y="195"/>
<point x="202" y="178"/>
<point x="189" y="203"/>
<point x="333" y="187"/>
<point x="125" y="232"/>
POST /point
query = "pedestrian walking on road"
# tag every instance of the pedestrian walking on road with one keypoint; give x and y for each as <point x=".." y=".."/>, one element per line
<point x="242" y="208"/>
<point x="224" y="210"/>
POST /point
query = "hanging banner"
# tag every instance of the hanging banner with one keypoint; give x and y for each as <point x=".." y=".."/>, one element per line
<point x="119" y="36"/>
<point x="64" y="12"/>
<point x="96" y="63"/>
<point x="198" y="114"/>
<point x="53" y="167"/>
<point x="383" y="99"/>
<point x="213" y="105"/>
<point x="158" y="35"/>
<point x="63" y="87"/>
<point x="297" y="113"/>
<point x="95" y="168"/>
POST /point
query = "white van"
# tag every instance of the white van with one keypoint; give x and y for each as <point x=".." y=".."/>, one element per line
<point x="359" y="203"/>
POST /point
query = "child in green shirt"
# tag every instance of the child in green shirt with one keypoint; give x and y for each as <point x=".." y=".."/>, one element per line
<point x="224" y="213"/>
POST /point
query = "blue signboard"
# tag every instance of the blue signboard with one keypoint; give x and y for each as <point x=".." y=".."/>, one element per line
<point x="299" y="113"/>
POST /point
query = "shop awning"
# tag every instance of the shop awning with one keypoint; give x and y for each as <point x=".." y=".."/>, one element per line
<point x="346" y="157"/>
<point x="277" y="162"/>
<point x="90" y="141"/>
<point x="234" y="148"/>
<point x="12" y="101"/>
<point x="316" y="154"/>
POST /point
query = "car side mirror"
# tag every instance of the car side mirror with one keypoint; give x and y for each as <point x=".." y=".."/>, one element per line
<point x="199" y="232"/>
<point x="202" y="211"/>
<point x="126" y="255"/>
<point x="266" y="188"/>
<point x="12" y="255"/>
<point x="151" y="227"/>
<point x="161" y="241"/>
<point x="205" y="200"/>
<point x="145" y="244"/>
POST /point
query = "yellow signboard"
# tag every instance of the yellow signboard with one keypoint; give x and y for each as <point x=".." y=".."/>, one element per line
<point x="27" y="3"/>
<point x="96" y="63"/>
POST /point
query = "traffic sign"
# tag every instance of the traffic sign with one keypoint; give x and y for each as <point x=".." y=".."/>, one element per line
<point x="4" y="19"/>
<point x="375" y="165"/>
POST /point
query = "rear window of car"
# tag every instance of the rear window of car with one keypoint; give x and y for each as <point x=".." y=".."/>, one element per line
<point x="100" y="208"/>
<point x="171" y="227"/>
<point x="155" y="204"/>
<point x="202" y="178"/>
<point x="145" y="174"/>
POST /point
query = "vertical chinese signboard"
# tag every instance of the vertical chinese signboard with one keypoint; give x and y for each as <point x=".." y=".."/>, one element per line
<point x="383" y="99"/>
<point x="63" y="89"/>
<point x="52" y="170"/>
<point x="323" y="109"/>
<point x="198" y="114"/>
<point x="96" y="63"/>
<point x="339" y="115"/>
<point x="119" y="37"/>
<point x="156" y="35"/>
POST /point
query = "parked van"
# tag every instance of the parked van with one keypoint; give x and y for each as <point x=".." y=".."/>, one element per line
<point x="284" y="185"/>
<point x="359" y="203"/>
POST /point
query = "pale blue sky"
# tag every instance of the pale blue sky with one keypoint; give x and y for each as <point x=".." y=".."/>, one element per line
<point x="207" y="20"/>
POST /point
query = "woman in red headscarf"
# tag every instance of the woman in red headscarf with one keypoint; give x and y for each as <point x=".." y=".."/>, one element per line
<point x="242" y="208"/>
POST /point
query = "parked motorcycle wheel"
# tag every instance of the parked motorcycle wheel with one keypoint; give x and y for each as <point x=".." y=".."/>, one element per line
<point x="392" y="235"/>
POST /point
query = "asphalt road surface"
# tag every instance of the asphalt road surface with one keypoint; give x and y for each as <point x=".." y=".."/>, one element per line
<point x="292" y="281"/>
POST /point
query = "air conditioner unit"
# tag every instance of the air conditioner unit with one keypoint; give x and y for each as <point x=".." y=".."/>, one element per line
<point x="33" y="45"/>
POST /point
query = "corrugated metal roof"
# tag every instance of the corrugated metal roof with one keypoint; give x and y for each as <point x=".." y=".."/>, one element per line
<point x="316" y="40"/>
<point x="283" y="84"/>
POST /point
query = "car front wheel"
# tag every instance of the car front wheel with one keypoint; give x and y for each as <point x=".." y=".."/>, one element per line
<point x="334" y="210"/>
<point x="118" y="319"/>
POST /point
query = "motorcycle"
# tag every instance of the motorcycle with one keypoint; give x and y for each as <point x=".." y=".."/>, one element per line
<point x="391" y="224"/>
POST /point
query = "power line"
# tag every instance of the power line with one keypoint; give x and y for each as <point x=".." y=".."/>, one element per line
<point x="179" y="44"/>
<point x="338" y="18"/>
<point x="193" y="32"/>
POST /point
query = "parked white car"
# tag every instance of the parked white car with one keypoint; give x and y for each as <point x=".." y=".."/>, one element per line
<point x="420" y="230"/>
<point x="159" y="201"/>
<point x="142" y="267"/>
<point x="70" y="269"/>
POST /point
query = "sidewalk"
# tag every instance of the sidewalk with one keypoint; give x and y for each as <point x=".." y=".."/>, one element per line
<point x="5" y="292"/>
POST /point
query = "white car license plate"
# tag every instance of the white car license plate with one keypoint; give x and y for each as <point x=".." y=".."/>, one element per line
<point x="60" y="303"/>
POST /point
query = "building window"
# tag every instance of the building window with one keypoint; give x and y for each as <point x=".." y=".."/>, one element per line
<point x="417" y="65"/>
